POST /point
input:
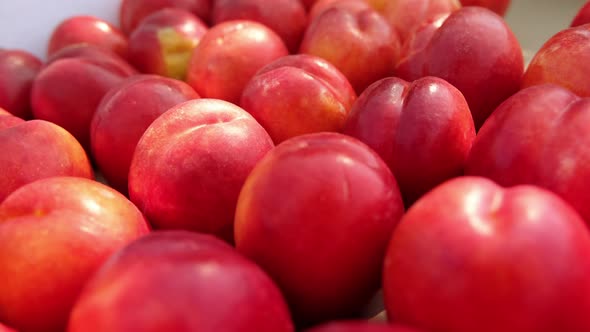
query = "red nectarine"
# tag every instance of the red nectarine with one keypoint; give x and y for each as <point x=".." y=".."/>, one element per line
<point x="173" y="281"/>
<point x="228" y="55"/>
<point x="164" y="41"/>
<point x="189" y="166"/>
<point x="298" y="94"/>
<point x="473" y="256"/>
<point x="123" y="116"/>
<point x="18" y="69"/>
<point x="317" y="213"/>
<point x="54" y="233"/>
<point x="88" y="30"/>
<point x="36" y="150"/>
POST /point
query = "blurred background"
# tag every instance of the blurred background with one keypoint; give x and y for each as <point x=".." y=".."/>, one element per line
<point x="28" y="23"/>
<point x="535" y="21"/>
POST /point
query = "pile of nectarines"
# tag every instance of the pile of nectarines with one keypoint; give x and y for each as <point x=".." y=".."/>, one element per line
<point x="272" y="166"/>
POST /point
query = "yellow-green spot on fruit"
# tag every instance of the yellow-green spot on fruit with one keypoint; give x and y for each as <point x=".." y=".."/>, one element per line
<point x="38" y="212"/>
<point x="176" y="52"/>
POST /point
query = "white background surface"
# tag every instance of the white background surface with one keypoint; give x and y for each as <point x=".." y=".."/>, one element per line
<point x="27" y="24"/>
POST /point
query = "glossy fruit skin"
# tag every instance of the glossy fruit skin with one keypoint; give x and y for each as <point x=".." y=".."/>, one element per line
<point x="423" y="130"/>
<point x="324" y="246"/>
<point x="351" y="39"/>
<point x="93" y="54"/>
<point x="35" y="150"/>
<point x="4" y="328"/>
<point x="190" y="164"/>
<point x="132" y="12"/>
<point x="195" y="281"/>
<point x="583" y="16"/>
<point x="563" y="60"/>
<point x="163" y="42"/>
<point x="123" y="116"/>
<point x="298" y="94"/>
<point x="18" y="69"/>
<point x="473" y="256"/>
<point x="539" y="136"/>
<point x="483" y="59"/>
<point x="8" y="120"/>
<point x="229" y="55"/>
<point x="353" y="6"/>
<point x="405" y="16"/>
<point x="88" y="30"/>
<point x="55" y="233"/>
<point x="287" y="18"/>
<point x="68" y="91"/>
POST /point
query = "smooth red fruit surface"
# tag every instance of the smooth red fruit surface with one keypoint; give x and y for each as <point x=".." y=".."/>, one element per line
<point x="68" y="91"/>
<point x="298" y="94"/>
<point x="54" y="233"/>
<point x="359" y="43"/>
<point x="316" y="213"/>
<point x="191" y="163"/>
<point x="359" y="326"/>
<point x="132" y="12"/>
<point x="405" y="16"/>
<point x="563" y="60"/>
<point x="124" y="115"/>
<point x="228" y="55"/>
<point x="18" y="69"/>
<point x="422" y="130"/>
<point x="498" y="6"/>
<point x="164" y="41"/>
<point x="308" y="3"/>
<point x="96" y="55"/>
<point x="182" y="282"/>
<point x="8" y="120"/>
<point x="36" y="150"/>
<point x="473" y="256"/>
<point x="539" y="136"/>
<point x="482" y="58"/>
<point x="4" y="328"/>
<point x="88" y="30"/>
<point x="285" y="17"/>
<point x="412" y="54"/>
<point x="583" y="16"/>
<point x="321" y="6"/>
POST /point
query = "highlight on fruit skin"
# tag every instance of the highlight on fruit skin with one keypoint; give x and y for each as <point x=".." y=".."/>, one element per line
<point x="583" y="16"/>
<point x="298" y="94"/>
<point x="476" y="43"/>
<point x="87" y="29"/>
<point x="164" y="41"/>
<point x="180" y="281"/>
<point x="228" y="55"/>
<point x="123" y="116"/>
<point x="190" y="164"/>
<point x="563" y="60"/>
<point x="473" y="246"/>
<point x="132" y="12"/>
<point x="330" y="203"/>
<point x="287" y="18"/>
<point x="35" y="150"/>
<point x="423" y="130"/>
<point x="377" y="179"/>
<point x="18" y="69"/>
<point x="351" y="38"/>
<point x="54" y="234"/>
